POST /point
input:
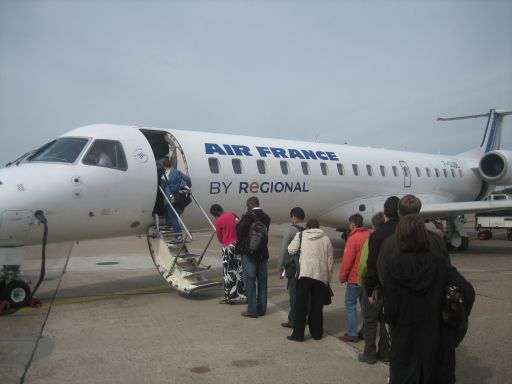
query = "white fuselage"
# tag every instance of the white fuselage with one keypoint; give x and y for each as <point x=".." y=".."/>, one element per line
<point x="84" y="201"/>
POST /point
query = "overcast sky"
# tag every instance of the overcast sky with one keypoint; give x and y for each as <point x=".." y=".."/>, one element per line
<point x="369" y="73"/>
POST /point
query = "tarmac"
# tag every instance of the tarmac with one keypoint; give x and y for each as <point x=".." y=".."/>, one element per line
<point x="108" y="317"/>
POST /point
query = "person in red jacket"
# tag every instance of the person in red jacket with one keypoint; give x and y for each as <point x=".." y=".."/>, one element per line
<point x="348" y="273"/>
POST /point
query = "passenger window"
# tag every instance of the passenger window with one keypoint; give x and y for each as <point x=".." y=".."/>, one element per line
<point x="262" y="166"/>
<point x="406" y="171"/>
<point x="453" y="172"/>
<point x="106" y="153"/>
<point x="323" y="167"/>
<point x="63" y="150"/>
<point x="428" y="171"/>
<point x="213" y="163"/>
<point x="341" y="169"/>
<point x="305" y="167"/>
<point x="355" y="169"/>
<point x="445" y="172"/>
<point x="395" y="171"/>
<point x="418" y="171"/>
<point x="237" y="166"/>
<point x="369" y="169"/>
<point x="284" y="167"/>
<point x="383" y="170"/>
<point x="437" y="172"/>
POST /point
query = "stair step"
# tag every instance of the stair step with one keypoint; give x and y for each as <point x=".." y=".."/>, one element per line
<point x="188" y="256"/>
<point x="192" y="271"/>
<point x="203" y="284"/>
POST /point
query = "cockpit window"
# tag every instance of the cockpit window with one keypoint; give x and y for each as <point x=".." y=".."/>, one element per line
<point x="106" y="153"/>
<point x="63" y="150"/>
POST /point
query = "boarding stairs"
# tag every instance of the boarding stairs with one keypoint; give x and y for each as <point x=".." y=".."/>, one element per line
<point x="183" y="270"/>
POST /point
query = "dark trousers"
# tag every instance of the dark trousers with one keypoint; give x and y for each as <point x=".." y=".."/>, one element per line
<point x="292" y="284"/>
<point x="372" y="315"/>
<point x="309" y="291"/>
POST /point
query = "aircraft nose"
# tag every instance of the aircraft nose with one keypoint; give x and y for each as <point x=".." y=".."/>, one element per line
<point x="15" y="215"/>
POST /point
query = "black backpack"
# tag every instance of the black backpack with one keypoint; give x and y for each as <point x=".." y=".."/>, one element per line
<point x="458" y="299"/>
<point x="257" y="235"/>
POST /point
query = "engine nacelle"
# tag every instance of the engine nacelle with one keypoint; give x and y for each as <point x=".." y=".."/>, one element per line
<point x="496" y="167"/>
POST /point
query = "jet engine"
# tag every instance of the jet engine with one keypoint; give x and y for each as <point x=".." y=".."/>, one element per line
<point x="496" y="167"/>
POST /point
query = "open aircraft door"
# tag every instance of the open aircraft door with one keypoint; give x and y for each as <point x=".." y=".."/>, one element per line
<point x="407" y="174"/>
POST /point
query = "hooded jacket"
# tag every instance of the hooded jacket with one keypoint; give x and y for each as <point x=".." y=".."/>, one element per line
<point x="352" y="254"/>
<point x="413" y="300"/>
<point x="316" y="251"/>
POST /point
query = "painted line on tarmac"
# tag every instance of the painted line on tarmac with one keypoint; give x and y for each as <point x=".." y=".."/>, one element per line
<point x="107" y="296"/>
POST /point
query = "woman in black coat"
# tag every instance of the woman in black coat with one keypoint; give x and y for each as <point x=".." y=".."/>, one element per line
<point x="413" y="300"/>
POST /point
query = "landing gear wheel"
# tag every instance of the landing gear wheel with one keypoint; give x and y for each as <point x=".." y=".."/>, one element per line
<point x="485" y="235"/>
<point x="16" y="293"/>
<point x="464" y="244"/>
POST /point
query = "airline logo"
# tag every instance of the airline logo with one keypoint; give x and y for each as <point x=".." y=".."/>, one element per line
<point x="245" y="187"/>
<point x="283" y="153"/>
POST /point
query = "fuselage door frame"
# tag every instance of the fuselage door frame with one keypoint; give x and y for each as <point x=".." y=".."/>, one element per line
<point x="407" y="174"/>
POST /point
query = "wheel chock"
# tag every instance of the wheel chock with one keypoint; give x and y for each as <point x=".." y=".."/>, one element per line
<point x="4" y="307"/>
<point x="35" y="303"/>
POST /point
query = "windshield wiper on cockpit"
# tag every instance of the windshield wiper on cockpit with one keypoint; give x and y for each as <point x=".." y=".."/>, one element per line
<point x="19" y="159"/>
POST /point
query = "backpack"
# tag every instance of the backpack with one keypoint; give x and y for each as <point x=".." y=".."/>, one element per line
<point x="291" y="262"/>
<point x="257" y="235"/>
<point x="458" y="299"/>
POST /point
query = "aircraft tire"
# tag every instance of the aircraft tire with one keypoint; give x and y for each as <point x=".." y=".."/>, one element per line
<point x="465" y="244"/>
<point x="482" y="235"/>
<point x="17" y="293"/>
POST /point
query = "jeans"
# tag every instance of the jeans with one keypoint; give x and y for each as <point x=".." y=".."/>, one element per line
<point x="171" y="220"/>
<point x="351" y="294"/>
<point x="255" y="270"/>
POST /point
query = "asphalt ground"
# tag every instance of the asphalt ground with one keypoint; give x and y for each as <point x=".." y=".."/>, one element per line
<point x="108" y="317"/>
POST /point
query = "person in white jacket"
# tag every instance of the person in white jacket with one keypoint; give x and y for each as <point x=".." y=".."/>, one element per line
<point x="316" y="261"/>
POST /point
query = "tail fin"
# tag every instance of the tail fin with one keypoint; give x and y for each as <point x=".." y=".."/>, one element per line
<point x="492" y="135"/>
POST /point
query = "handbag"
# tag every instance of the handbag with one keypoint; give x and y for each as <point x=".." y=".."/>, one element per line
<point x="327" y="295"/>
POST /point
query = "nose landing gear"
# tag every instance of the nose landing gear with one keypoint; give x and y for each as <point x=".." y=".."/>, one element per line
<point x="14" y="292"/>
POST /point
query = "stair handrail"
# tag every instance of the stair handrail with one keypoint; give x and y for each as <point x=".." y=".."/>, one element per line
<point x="203" y="211"/>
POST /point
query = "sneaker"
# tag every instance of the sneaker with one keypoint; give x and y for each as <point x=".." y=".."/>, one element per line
<point x="286" y="325"/>
<point x="177" y="239"/>
<point x="364" y="358"/>
<point x="349" y="339"/>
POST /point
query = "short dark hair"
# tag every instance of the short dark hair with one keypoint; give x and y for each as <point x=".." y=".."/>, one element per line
<point x="411" y="234"/>
<point x="216" y="210"/>
<point x="253" y="201"/>
<point x="378" y="220"/>
<point x="298" y="212"/>
<point x="356" y="219"/>
<point x="408" y="205"/>
<point x="167" y="163"/>
<point x="312" y="223"/>
<point x="391" y="206"/>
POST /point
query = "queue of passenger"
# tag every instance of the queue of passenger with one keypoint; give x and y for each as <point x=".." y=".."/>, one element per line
<point x="399" y="271"/>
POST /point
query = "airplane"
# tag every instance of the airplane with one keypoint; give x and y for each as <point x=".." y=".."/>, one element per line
<point x="63" y="192"/>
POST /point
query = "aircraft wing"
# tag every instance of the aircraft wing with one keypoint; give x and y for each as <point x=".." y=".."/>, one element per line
<point x="439" y="210"/>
